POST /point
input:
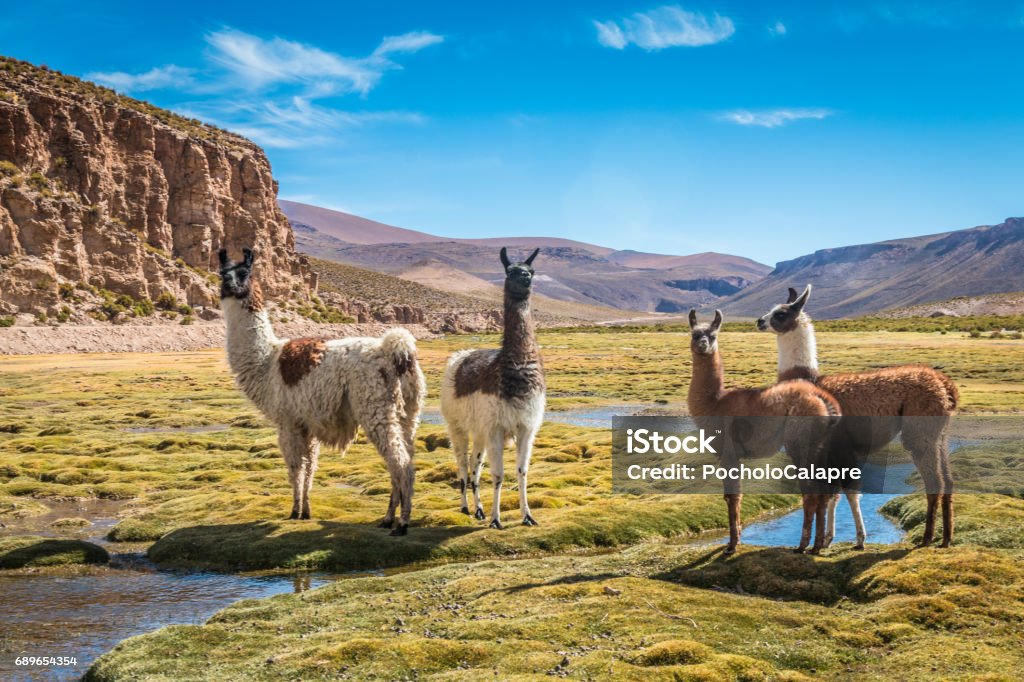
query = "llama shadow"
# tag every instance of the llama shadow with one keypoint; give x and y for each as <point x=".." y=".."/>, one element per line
<point x="308" y="545"/>
<point x="779" y="573"/>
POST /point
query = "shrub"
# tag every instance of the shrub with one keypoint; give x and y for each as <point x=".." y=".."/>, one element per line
<point x="7" y="321"/>
<point x="8" y="169"/>
<point x="166" y="301"/>
<point x="187" y="319"/>
<point x="64" y="314"/>
<point x="143" y="308"/>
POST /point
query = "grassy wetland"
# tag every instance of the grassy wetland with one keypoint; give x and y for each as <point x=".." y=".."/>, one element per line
<point x="198" y="482"/>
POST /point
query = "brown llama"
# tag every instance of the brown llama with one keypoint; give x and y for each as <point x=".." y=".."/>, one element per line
<point x="712" y="406"/>
<point x="886" y="396"/>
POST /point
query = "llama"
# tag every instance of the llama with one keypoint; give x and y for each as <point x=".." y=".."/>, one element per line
<point x="492" y="395"/>
<point x="713" y="406"/>
<point x="881" y="398"/>
<point x="320" y="391"/>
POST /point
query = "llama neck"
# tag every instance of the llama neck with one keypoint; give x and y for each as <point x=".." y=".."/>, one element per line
<point x="251" y="342"/>
<point x="519" y="341"/>
<point x="706" y="385"/>
<point x="798" y="348"/>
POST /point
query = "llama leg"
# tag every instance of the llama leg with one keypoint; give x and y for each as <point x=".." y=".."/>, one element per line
<point x="733" y="502"/>
<point x="853" y="499"/>
<point x="820" y="502"/>
<point x="947" y="519"/>
<point x="929" y="521"/>
<point x="947" y="495"/>
<point x="390" y="443"/>
<point x="310" y="462"/>
<point x="808" y="520"/>
<point x="478" y="468"/>
<point x="460" y="445"/>
<point x="830" y="521"/>
<point x="294" y="444"/>
<point x="495" y="456"/>
<point x="524" y="447"/>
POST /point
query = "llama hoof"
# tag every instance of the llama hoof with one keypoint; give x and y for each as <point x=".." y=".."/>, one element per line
<point x="402" y="529"/>
<point x="465" y="510"/>
<point x="305" y="516"/>
<point x="798" y="550"/>
<point x="859" y="547"/>
<point x="729" y="550"/>
<point x="496" y="524"/>
<point x="386" y="523"/>
<point x="530" y="521"/>
<point x="814" y="550"/>
<point x="945" y="544"/>
<point x="479" y="515"/>
<point x="294" y="516"/>
<point x="827" y="543"/>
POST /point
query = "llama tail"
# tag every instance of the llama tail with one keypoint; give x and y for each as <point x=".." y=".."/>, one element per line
<point x="952" y="392"/>
<point x="399" y="346"/>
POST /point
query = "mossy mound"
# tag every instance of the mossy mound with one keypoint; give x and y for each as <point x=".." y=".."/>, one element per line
<point x="30" y="551"/>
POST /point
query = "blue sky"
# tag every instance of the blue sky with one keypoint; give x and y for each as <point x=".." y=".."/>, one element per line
<point x="763" y="129"/>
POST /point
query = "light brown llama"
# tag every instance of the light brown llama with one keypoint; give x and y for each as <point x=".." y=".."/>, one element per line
<point x="712" y="406"/>
<point x="888" y="397"/>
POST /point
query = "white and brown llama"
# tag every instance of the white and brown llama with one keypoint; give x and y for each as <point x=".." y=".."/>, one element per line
<point x="810" y="415"/>
<point x="490" y="396"/>
<point x="911" y="401"/>
<point x="320" y="391"/>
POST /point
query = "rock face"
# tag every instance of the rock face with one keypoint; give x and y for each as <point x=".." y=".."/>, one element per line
<point x="104" y="196"/>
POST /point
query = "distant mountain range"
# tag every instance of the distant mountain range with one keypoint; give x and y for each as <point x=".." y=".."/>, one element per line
<point x="567" y="270"/>
<point x="848" y="281"/>
<point x="859" y="280"/>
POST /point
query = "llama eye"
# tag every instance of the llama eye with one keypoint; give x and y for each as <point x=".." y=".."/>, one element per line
<point x="779" y="315"/>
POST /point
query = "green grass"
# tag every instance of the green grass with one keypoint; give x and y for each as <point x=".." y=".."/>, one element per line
<point x="635" y="614"/>
<point x="30" y="551"/>
<point x="521" y="602"/>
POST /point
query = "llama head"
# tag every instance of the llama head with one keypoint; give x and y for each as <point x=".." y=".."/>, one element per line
<point x="236" y="278"/>
<point x="704" y="337"/>
<point x="518" y="276"/>
<point x="786" y="316"/>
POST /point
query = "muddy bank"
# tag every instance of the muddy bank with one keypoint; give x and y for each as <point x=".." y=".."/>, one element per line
<point x="109" y="338"/>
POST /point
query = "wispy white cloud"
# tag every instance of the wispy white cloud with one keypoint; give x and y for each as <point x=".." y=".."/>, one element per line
<point x="668" y="26"/>
<point x="407" y="42"/>
<point x="775" y="117"/>
<point x="169" y="76"/>
<point x="777" y="29"/>
<point x="261" y="63"/>
<point x="266" y="88"/>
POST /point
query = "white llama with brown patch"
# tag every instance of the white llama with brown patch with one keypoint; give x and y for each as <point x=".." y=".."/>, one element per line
<point x="320" y="391"/>
<point x="490" y="396"/>
<point x="714" y="407"/>
<point x="911" y="401"/>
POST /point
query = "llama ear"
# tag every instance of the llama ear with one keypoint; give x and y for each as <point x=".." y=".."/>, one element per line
<point x="693" y="318"/>
<point x="529" y="261"/>
<point x="717" y="322"/>
<point x="798" y="304"/>
<point x="504" y="258"/>
<point x="247" y="255"/>
<point x="792" y="295"/>
<point x="223" y="256"/>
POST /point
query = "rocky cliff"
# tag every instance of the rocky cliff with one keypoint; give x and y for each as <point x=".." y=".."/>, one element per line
<point x="108" y="204"/>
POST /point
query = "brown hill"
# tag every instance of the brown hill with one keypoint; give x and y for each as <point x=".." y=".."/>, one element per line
<point x="863" y="279"/>
<point x="569" y="271"/>
<point x="370" y="296"/>
<point x="107" y="203"/>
